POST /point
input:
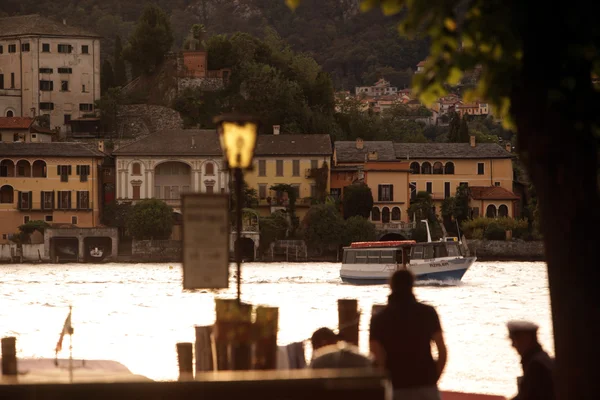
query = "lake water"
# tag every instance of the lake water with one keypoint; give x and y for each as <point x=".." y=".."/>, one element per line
<point x="135" y="313"/>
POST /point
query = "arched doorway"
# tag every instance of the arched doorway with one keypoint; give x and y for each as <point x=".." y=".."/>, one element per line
<point x="490" y="211"/>
<point x="171" y="179"/>
<point x="503" y="211"/>
<point x="7" y="168"/>
<point x="375" y="214"/>
<point x="39" y="169"/>
<point x="10" y="113"/>
<point x="23" y="168"/>
<point x="396" y="214"/>
<point x="247" y="248"/>
<point x="449" y="168"/>
<point x="426" y="168"/>
<point x="438" y="168"/>
<point x="385" y="215"/>
<point x="390" y="237"/>
<point x="7" y="194"/>
<point x="415" y="168"/>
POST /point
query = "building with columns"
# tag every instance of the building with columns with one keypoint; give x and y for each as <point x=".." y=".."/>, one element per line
<point x="167" y="164"/>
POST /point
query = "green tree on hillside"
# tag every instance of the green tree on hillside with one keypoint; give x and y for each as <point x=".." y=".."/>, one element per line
<point x="150" y="41"/>
<point x="357" y="200"/>
<point x="120" y="70"/>
<point x="107" y="77"/>
<point x="454" y="128"/>
<point x="463" y="131"/>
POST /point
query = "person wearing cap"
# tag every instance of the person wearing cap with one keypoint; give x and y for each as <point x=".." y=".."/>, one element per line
<point x="400" y="339"/>
<point x="537" y="382"/>
<point x="330" y="352"/>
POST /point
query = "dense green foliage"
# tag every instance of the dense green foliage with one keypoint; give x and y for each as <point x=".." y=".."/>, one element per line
<point x="150" y="219"/>
<point x="115" y="215"/>
<point x="323" y="228"/>
<point x="27" y="229"/>
<point x="357" y="201"/>
<point x="358" y="229"/>
<point x="477" y="228"/>
<point x="272" y="228"/>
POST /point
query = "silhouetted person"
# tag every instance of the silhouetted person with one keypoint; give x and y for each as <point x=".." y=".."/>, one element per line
<point x="401" y="336"/>
<point x="331" y="352"/>
<point x="537" y="382"/>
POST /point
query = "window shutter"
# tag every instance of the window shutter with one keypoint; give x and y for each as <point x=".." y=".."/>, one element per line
<point x="30" y="200"/>
<point x="59" y="200"/>
<point x="78" y="200"/>
<point x="53" y="198"/>
<point x="391" y="192"/>
<point x="58" y="169"/>
<point x="79" y="170"/>
<point x="69" y="203"/>
<point x="42" y="200"/>
<point x="19" y="196"/>
<point x="69" y="170"/>
<point x="379" y="192"/>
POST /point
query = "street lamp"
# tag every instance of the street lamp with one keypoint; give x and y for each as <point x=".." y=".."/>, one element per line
<point x="237" y="134"/>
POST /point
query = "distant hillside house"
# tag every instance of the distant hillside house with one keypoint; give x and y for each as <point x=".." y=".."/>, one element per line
<point x="381" y="88"/>
<point x="48" y="68"/>
<point x="23" y="129"/>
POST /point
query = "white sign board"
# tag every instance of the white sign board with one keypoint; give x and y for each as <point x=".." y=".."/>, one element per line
<point x="205" y="241"/>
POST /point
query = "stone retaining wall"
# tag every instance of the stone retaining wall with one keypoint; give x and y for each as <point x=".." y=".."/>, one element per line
<point x="507" y="250"/>
<point x="156" y="250"/>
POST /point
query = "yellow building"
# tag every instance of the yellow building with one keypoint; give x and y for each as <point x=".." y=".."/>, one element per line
<point x="53" y="182"/>
<point x="292" y="160"/>
<point x="486" y="168"/>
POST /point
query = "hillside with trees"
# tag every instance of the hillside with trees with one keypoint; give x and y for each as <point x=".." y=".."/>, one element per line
<point x="353" y="47"/>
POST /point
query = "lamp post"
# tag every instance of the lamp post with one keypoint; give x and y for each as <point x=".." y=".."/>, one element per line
<point x="237" y="133"/>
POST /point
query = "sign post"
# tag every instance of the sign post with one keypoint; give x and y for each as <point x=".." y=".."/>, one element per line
<point x="205" y="241"/>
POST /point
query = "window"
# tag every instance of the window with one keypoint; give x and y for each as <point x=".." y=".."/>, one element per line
<point x="48" y="218"/>
<point x="74" y="220"/>
<point x="136" y="192"/>
<point x="24" y="200"/>
<point x="45" y="47"/>
<point x="415" y="168"/>
<point x="336" y="193"/>
<point x="210" y="189"/>
<point x="12" y="80"/>
<point x="85" y="49"/>
<point x="46" y="86"/>
<point x="210" y="168"/>
<point x="279" y="168"/>
<point x="428" y="252"/>
<point x="83" y="200"/>
<point x="262" y="191"/>
<point x="156" y="192"/>
<point x="47" y="106"/>
<point x="83" y="88"/>
<point x="64" y="171"/>
<point x="26" y="219"/>
<point x="12" y="48"/>
<point x="296" y="168"/>
<point x="438" y="168"/>
<point x="396" y="214"/>
<point x="65" y="48"/>
<point x="385" y="215"/>
<point x="25" y="47"/>
<point x="67" y="118"/>
<point x="47" y="200"/>
<point x="46" y="70"/>
<point x="10" y="114"/>
<point x="373" y="257"/>
<point x="449" y="168"/>
<point x="64" y="86"/>
<point x="262" y="168"/>
<point x="490" y="211"/>
<point x="375" y="214"/>
<point x="65" y="70"/>
<point x="446" y="190"/>
<point x="480" y="168"/>
<point x="83" y="171"/>
<point x="297" y="190"/>
<point x="386" y="193"/>
<point x="167" y="192"/>
<point x="426" y="168"/>
<point x="136" y="169"/>
<point x="503" y="211"/>
<point x="107" y="172"/>
<point x="1" y="81"/>
<point x="86" y="107"/>
<point x="1" y="49"/>
<point x="314" y="164"/>
<point x="313" y="191"/>
<point x="496" y="184"/>
<point x="64" y="200"/>
<point x="413" y="190"/>
<point x="429" y="187"/>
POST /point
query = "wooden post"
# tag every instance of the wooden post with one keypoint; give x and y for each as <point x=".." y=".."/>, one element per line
<point x="185" y="357"/>
<point x="232" y="334"/>
<point x="265" y="334"/>
<point x="204" y="353"/>
<point x="348" y="320"/>
<point x="9" y="356"/>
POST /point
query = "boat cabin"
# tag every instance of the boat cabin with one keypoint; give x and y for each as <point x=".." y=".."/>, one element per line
<point x="427" y="251"/>
<point x="400" y="252"/>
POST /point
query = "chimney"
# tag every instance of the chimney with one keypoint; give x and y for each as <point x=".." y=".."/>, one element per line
<point x="373" y="156"/>
<point x="101" y="145"/>
<point x="360" y="144"/>
<point x="276" y="129"/>
<point x="472" y="140"/>
<point x="508" y="147"/>
<point x="64" y="21"/>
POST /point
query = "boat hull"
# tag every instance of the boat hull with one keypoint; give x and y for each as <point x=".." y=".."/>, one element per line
<point x="378" y="274"/>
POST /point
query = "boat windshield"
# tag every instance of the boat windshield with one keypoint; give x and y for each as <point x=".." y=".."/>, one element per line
<point x="453" y="250"/>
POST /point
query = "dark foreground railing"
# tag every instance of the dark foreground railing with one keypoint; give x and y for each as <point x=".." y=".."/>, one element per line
<point x="262" y="385"/>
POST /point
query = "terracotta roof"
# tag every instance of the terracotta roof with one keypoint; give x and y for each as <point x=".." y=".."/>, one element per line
<point x="491" y="193"/>
<point x="15" y="122"/>
<point x="53" y="149"/>
<point x="346" y="151"/>
<point x="205" y="142"/>
<point x="449" y="150"/>
<point x="421" y="63"/>
<point x="37" y="25"/>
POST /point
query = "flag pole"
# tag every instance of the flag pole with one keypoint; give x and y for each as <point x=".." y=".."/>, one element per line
<point x="70" y="348"/>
